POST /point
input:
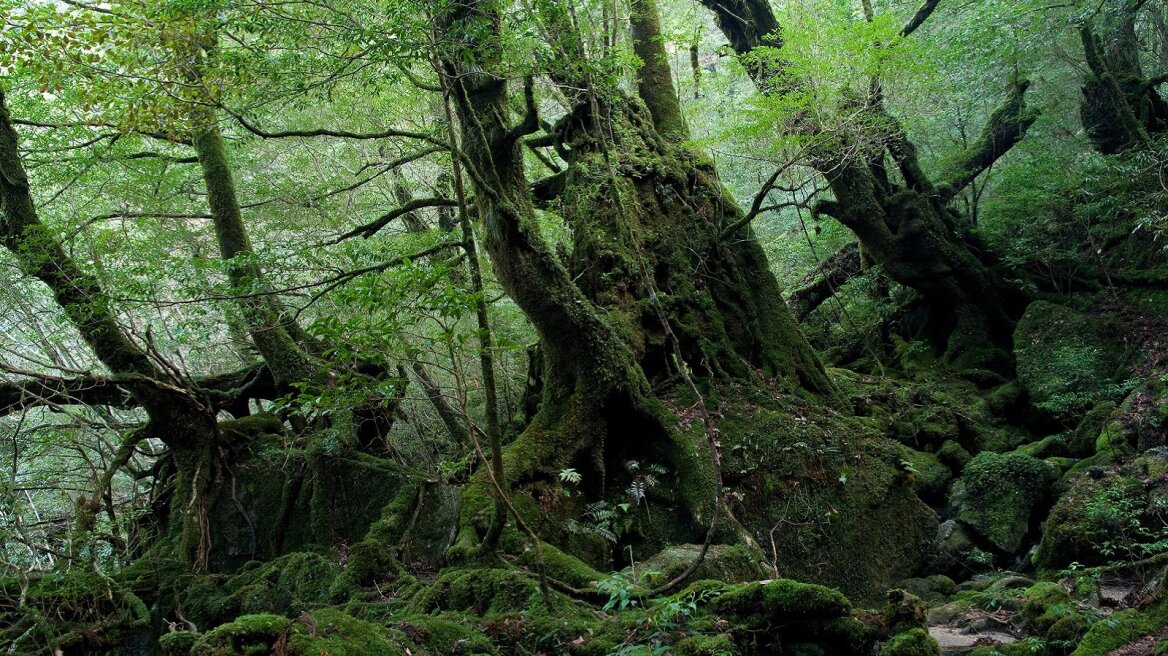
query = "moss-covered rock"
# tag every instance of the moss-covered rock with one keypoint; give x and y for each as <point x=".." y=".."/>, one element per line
<point x="289" y="584"/>
<point x="1107" y="513"/>
<point x="934" y="588"/>
<point x="284" y="499"/>
<point x="177" y="643"/>
<point x="955" y="551"/>
<point x="1119" y="629"/>
<point x="930" y="478"/>
<point x="1044" y="605"/>
<point x="1002" y="493"/>
<point x="787" y="615"/>
<point x="953" y="455"/>
<point x="705" y="645"/>
<point x="729" y="563"/>
<point x="841" y="490"/>
<point x="480" y="590"/>
<point x="1067" y="361"/>
<point x="764" y="604"/>
<point x="915" y="642"/>
<point x="248" y="635"/>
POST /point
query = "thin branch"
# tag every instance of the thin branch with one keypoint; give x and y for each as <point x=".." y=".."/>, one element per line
<point x="326" y="132"/>
<point x="373" y="227"/>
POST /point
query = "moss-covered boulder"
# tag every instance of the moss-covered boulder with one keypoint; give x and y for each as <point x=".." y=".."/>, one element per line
<point x="729" y="563"/>
<point x="327" y="631"/>
<point x="1107" y="513"/>
<point x="783" y="615"/>
<point x="1067" y="361"/>
<point x="480" y="590"/>
<point x="1044" y="605"/>
<point x="1002" y="493"/>
<point x="934" y="588"/>
<point x="282" y="499"/>
<point x="1122" y="628"/>
<point x="930" y="478"/>
<point x="841" y="493"/>
<point x="914" y="642"/>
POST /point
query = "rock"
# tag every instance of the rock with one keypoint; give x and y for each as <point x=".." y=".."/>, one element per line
<point x="953" y="455"/>
<point x="935" y="588"/>
<point x="1002" y="493"/>
<point x="954" y="641"/>
<point x="729" y="563"/>
<point x="930" y="478"/>
<point x="916" y="642"/>
<point x="1083" y="526"/>
<point x="1066" y="360"/>
<point x="956" y="552"/>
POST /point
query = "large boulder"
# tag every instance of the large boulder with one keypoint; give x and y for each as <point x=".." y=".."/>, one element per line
<point x="1108" y="513"/>
<point x="1067" y="360"/>
<point x="830" y="498"/>
<point x="1001" y="494"/>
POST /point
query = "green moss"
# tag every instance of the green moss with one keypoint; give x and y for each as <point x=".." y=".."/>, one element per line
<point x="1066" y="360"/>
<point x="1098" y="519"/>
<point x="853" y="520"/>
<point x="1119" y="629"/>
<point x="915" y="642"/>
<point x="1067" y="632"/>
<point x="564" y="567"/>
<point x="728" y="563"/>
<point x="73" y="611"/>
<point x="1001" y="493"/>
<point x="178" y="643"/>
<point x="371" y="562"/>
<point x="760" y="605"/>
<point x="245" y="429"/>
<point x="480" y="590"/>
<point x="1044" y="605"/>
<point x="1006" y="400"/>
<point x="248" y="635"/>
<point x="289" y="584"/>
<point x="932" y="589"/>
<point x="930" y="478"/>
<point x="448" y="633"/>
<point x="704" y="645"/>
<point x="332" y="632"/>
<point x="953" y="455"/>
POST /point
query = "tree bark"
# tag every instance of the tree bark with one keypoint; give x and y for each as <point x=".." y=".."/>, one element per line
<point x="1121" y="107"/>
<point x="597" y="409"/>
<point x="823" y="282"/>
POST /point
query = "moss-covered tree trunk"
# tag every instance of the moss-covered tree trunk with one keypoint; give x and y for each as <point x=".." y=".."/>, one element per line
<point x="1121" y="106"/>
<point x="653" y="255"/>
<point x="267" y="324"/>
<point x="597" y="409"/>
<point x="658" y="240"/>
<point x="909" y="228"/>
<point x="177" y="413"/>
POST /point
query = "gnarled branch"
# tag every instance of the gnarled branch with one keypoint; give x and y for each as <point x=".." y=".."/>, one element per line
<point x="1005" y="128"/>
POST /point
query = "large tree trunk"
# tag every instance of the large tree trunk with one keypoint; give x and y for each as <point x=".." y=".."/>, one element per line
<point x="597" y="409"/>
<point x="178" y="414"/>
<point x="654" y="260"/>
<point x="655" y="232"/>
<point x="907" y="228"/>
